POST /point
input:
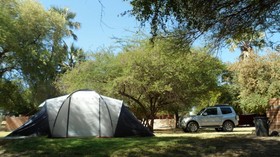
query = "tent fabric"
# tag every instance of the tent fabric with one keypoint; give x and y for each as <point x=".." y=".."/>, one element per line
<point x="128" y="126"/>
<point x="83" y="114"/>
<point x="37" y="125"/>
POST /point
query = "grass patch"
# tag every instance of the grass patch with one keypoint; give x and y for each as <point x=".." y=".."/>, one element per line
<point x="163" y="144"/>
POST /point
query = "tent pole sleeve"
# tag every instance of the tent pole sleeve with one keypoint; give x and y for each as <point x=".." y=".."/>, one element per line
<point x="67" y="126"/>
<point x="57" y="115"/>
<point x="99" y="118"/>
<point x="109" y="113"/>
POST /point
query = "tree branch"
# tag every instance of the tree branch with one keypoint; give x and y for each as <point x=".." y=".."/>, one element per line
<point x="123" y="93"/>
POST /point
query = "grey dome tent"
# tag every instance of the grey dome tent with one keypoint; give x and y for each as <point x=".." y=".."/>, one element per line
<point x="82" y="114"/>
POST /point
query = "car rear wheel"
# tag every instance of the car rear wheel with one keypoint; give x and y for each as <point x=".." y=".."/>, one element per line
<point x="192" y="127"/>
<point x="228" y="126"/>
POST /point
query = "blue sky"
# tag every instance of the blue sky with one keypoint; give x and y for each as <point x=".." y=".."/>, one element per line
<point x="100" y="24"/>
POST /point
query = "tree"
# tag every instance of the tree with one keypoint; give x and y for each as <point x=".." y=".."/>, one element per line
<point x="32" y="46"/>
<point x="247" y="43"/>
<point x="13" y="97"/>
<point x="74" y="57"/>
<point x="149" y="77"/>
<point x="96" y="74"/>
<point x="258" y="81"/>
<point x="69" y="17"/>
<point x="221" y="20"/>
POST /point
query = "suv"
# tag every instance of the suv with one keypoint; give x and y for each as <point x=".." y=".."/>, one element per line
<point x="220" y="117"/>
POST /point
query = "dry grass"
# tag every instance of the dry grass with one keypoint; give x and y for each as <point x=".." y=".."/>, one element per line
<point x="3" y="133"/>
<point x="206" y="133"/>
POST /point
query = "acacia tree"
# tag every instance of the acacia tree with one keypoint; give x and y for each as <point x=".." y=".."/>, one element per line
<point x="221" y="20"/>
<point x="149" y="77"/>
<point x="97" y="74"/>
<point x="258" y="81"/>
<point x="176" y="81"/>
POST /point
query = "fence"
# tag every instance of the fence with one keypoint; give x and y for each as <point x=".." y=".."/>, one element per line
<point x="12" y="123"/>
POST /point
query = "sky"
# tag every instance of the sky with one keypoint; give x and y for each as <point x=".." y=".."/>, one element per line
<point x="101" y="23"/>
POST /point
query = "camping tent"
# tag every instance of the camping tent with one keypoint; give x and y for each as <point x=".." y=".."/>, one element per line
<point x="82" y="114"/>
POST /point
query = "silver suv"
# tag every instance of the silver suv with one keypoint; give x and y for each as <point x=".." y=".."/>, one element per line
<point x="220" y="117"/>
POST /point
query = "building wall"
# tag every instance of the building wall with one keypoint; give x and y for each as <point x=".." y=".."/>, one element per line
<point x="273" y="113"/>
<point x="164" y="124"/>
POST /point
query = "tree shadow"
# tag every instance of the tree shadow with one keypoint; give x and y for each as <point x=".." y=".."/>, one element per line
<point x="149" y="146"/>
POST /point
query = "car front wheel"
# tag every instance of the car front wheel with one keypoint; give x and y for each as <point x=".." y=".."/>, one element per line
<point x="192" y="127"/>
<point x="228" y="126"/>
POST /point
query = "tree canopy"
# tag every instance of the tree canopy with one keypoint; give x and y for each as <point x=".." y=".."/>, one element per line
<point x="149" y="77"/>
<point x="257" y="78"/>
<point x="32" y="48"/>
<point x="221" y="20"/>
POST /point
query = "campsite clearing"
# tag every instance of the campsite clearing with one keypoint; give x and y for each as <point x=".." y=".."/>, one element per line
<point x="241" y="142"/>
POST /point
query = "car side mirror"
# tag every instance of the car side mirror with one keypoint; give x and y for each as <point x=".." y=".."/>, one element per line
<point x="204" y="114"/>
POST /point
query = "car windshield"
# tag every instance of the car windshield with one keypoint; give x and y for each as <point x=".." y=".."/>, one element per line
<point x="199" y="113"/>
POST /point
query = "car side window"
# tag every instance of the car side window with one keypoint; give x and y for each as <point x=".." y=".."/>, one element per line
<point x="211" y="111"/>
<point x="226" y="110"/>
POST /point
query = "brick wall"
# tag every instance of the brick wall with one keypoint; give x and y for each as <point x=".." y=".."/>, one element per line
<point x="273" y="113"/>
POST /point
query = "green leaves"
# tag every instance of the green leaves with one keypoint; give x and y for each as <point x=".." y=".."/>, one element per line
<point x="221" y="20"/>
<point x="147" y="76"/>
<point x="32" y="47"/>
<point x="96" y="74"/>
<point x="258" y="81"/>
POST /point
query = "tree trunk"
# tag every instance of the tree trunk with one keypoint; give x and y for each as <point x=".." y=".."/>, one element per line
<point x="151" y="126"/>
<point x="176" y="117"/>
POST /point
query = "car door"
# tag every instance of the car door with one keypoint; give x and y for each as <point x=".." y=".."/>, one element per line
<point x="210" y="117"/>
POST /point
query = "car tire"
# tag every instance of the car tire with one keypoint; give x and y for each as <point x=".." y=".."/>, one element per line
<point x="192" y="126"/>
<point x="228" y="126"/>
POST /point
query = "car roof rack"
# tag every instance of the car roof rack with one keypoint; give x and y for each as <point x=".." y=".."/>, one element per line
<point x="218" y="105"/>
